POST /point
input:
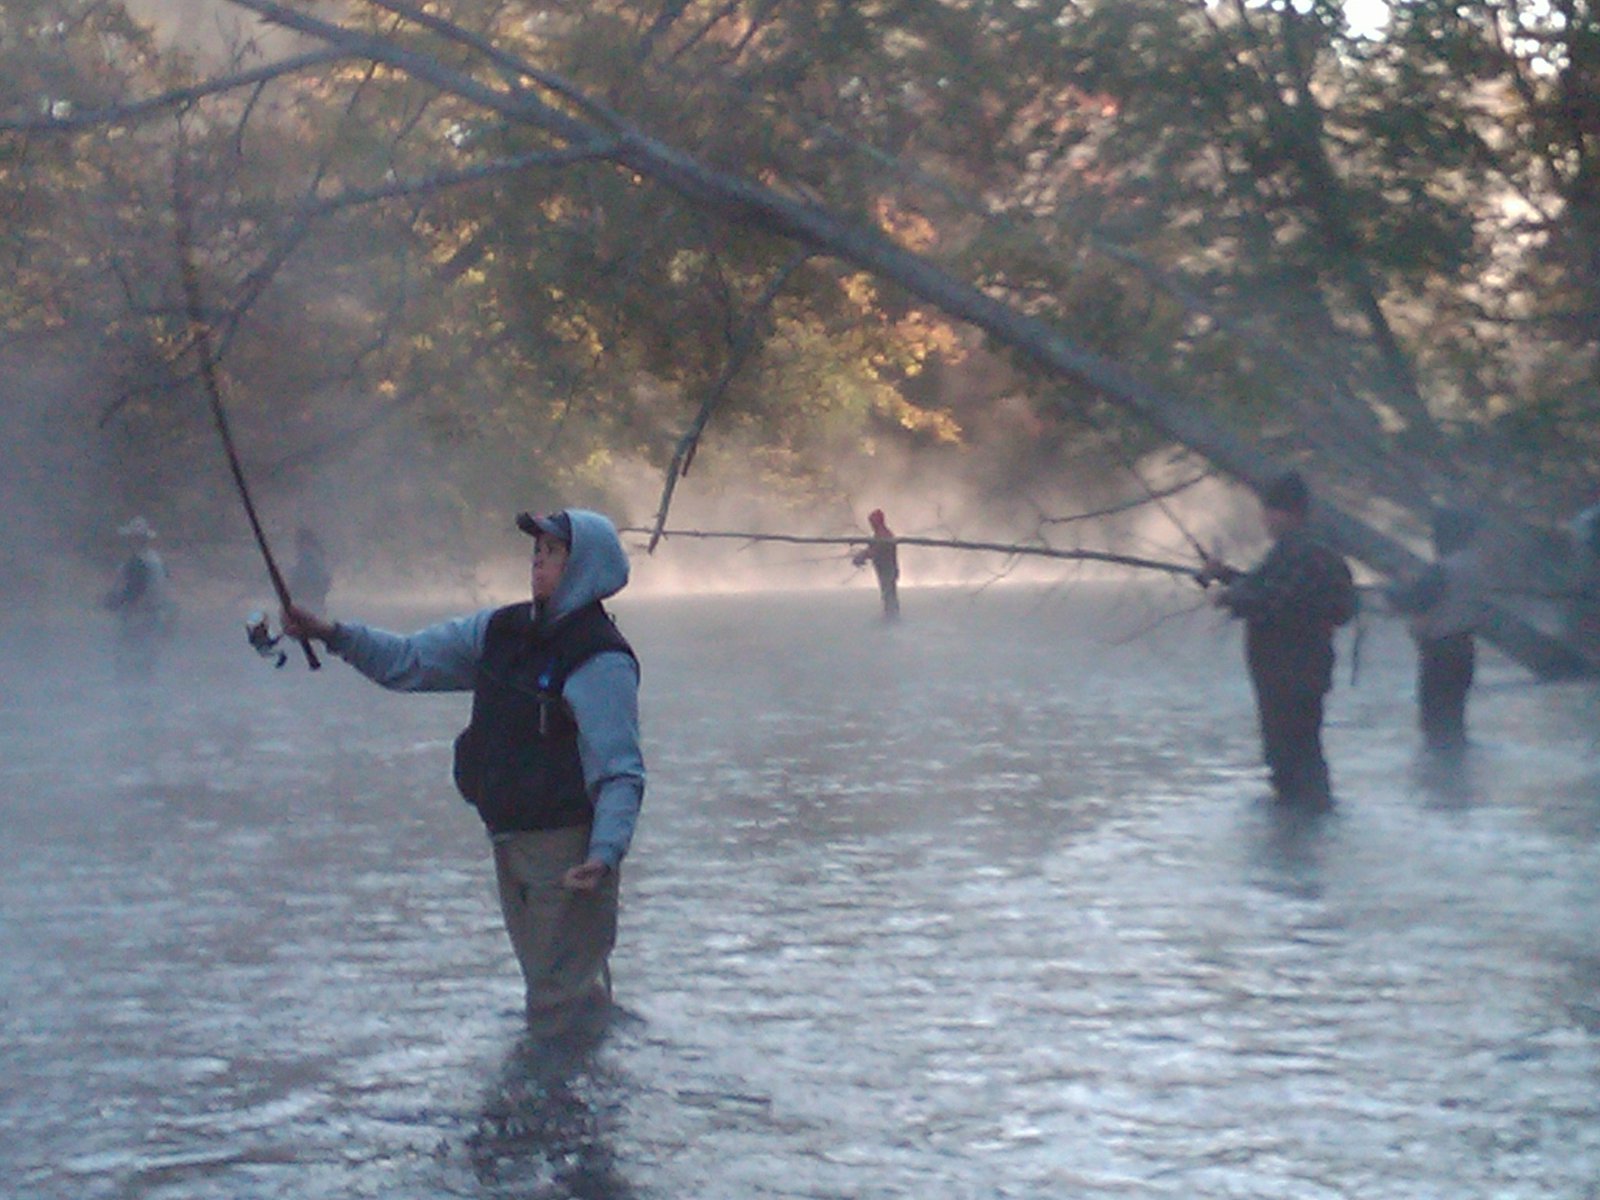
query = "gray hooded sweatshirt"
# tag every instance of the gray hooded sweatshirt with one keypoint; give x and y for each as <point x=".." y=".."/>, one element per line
<point x="603" y="692"/>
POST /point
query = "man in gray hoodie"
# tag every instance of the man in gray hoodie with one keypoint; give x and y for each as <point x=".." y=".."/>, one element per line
<point x="550" y="758"/>
<point x="1445" y="606"/>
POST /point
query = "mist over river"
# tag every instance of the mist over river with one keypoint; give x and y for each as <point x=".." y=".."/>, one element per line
<point x="985" y="904"/>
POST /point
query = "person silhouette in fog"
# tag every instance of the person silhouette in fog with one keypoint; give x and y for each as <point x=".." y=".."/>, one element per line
<point x="884" y="556"/>
<point x="1581" y="618"/>
<point x="1444" y="605"/>
<point x="142" y="601"/>
<point x="1291" y="602"/>
<point x="550" y="757"/>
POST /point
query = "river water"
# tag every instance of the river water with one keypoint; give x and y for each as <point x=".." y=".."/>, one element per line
<point x="985" y="904"/>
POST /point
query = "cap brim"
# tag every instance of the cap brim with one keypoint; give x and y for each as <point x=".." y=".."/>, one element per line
<point x="533" y="526"/>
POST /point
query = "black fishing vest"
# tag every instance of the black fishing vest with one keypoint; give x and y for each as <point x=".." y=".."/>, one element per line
<point x="517" y="760"/>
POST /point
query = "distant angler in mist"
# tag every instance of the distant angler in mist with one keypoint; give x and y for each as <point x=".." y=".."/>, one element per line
<point x="142" y="601"/>
<point x="884" y="556"/>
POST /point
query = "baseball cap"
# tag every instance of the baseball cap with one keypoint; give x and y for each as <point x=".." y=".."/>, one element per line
<point x="556" y="524"/>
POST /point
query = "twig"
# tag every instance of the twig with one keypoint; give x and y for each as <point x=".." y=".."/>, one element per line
<point x="742" y="343"/>
<point x="151" y="107"/>
<point x="1123" y="506"/>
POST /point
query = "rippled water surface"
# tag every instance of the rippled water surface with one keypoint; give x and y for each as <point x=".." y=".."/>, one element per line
<point x="987" y="904"/>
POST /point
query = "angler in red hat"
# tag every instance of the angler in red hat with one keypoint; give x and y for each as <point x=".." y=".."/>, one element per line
<point x="884" y="556"/>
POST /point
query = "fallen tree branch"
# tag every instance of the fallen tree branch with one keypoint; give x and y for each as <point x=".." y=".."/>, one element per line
<point x="152" y="107"/>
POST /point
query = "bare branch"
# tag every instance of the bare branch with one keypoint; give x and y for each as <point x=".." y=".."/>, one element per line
<point x="743" y="343"/>
<point x="1112" y="510"/>
<point x="156" y="106"/>
<point x="511" y="67"/>
<point x="406" y="188"/>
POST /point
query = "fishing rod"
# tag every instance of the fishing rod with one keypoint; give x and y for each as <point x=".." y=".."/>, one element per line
<point x="1078" y="555"/>
<point x="200" y="333"/>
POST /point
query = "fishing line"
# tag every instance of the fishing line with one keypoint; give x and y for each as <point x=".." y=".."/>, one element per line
<point x="200" y="333"/>
<point x="1166" y="510"/>
<point x="1126" y="462"/>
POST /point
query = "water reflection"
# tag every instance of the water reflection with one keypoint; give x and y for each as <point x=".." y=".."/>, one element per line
<point x="985" y="907"/>
<point x="1449" y="780"/>
<point x="547" y="1125"/>
<point x="1289" y="847"/>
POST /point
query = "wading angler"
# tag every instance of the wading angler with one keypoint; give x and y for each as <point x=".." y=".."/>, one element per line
<point x="550" y="758"/>
<point x="1290" y="602"/>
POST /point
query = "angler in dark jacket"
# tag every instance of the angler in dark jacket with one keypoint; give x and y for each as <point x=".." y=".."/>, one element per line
<point x="1291" y="603"/>
<point x="551" y="757"/>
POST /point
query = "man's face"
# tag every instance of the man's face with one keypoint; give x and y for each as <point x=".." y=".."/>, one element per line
<point x="549" y="560"/>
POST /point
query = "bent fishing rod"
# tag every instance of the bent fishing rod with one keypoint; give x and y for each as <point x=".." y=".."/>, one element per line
<point x="200" y="334"/>
<point x="1075" y="555"/>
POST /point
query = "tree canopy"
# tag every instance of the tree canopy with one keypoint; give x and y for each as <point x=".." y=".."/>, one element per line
<point x="559" y="237"/>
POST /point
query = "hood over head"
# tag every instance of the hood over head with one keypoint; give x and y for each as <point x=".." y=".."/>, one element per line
<point x="597" y="565"/>
<point x="1287" y="493"/>
<point x="555" y="524"/>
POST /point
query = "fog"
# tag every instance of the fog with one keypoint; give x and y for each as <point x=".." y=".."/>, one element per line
<point x="209" y="30"/>
<point x="388" y="507"/>
<point x="988" y="902"/>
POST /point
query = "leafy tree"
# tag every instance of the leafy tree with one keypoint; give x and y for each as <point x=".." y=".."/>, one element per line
<point x="1397" y="218"/>
<point x="590" y="218"/>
